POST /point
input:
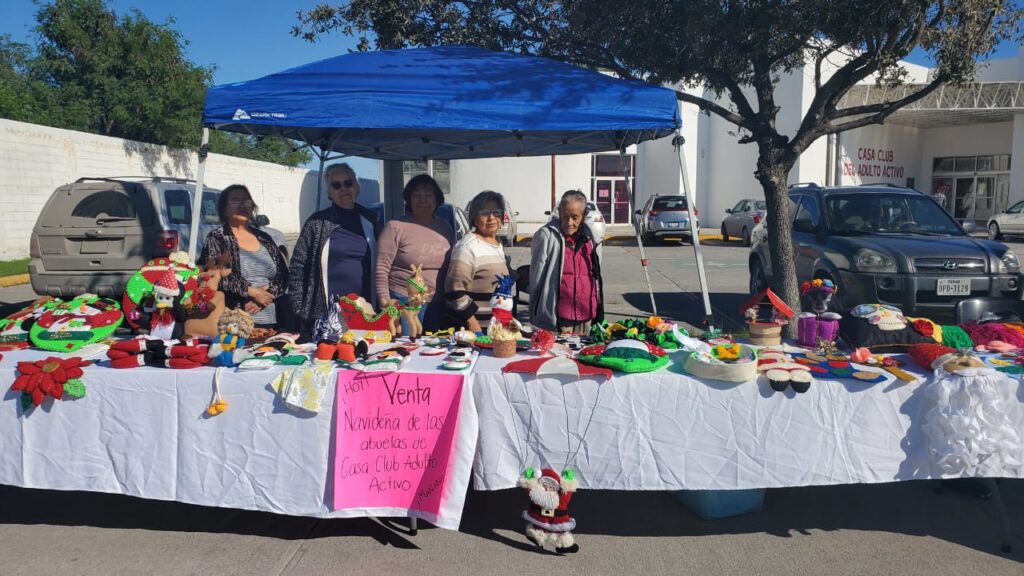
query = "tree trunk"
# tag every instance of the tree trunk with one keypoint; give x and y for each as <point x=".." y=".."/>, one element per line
<point x="773" y="166"/>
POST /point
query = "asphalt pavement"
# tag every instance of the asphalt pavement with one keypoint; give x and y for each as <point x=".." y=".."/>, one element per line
<point x="900" y="528"/>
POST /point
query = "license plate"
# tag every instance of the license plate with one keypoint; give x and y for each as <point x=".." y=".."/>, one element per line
<point x="673" y="224"/>
<point x="954" y="287"/>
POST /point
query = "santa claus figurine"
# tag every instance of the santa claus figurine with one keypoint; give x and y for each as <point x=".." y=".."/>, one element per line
<point x="167" y="321"/>
<point x="549" y="522"/>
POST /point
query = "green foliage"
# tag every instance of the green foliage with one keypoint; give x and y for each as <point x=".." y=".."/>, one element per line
<point x="274" y="149"/>
<point x="124" y="76"/>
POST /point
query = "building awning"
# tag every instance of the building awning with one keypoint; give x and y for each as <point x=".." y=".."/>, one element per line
<point x="950" y="105"/>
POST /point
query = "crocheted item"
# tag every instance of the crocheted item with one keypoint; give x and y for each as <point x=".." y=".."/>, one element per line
<point x="883" y="316"/>
<point x="926" y="327"/>
<point x="836" y="367"/>
<point x="955" y="337"/>
<point x="49" y="377"/>
<point x="625" y="356"/>
<point x="985" y="333"/>
<point x="138" y="292"/>
<point x="67" y="326"/>
<point x="15" y="328"/>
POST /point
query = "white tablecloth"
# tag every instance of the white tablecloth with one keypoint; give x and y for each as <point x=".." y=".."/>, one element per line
<point x="668" y="431"/>
<point x="144" y="432"/>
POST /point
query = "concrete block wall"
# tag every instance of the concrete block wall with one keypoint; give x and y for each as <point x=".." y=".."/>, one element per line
<point x="35" y="160"/>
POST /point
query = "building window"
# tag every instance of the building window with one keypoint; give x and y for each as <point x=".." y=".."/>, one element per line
<point x="439" y="169"/>
<point x="972" y="187"/>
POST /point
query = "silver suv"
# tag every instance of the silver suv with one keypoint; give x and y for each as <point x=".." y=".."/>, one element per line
<point x="664" y="215"/>
<point x="94" y="233"/>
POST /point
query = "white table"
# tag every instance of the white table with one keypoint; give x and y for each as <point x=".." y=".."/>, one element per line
<point x="144" y="432"/>
<point x="669" y="431"/>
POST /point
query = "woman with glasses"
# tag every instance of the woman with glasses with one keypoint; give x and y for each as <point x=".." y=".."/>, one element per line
<point x="419" y="238"/>
<point x="476" y="262"/>
<point x="259" y="273"/>
<point x="336" y="250"/>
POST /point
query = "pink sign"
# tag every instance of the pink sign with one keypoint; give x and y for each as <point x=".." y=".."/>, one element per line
<point x="393" y="439"/>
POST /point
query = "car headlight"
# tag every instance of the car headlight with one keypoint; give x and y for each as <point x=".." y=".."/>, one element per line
<point x="868" y="260"/>
<point x="1009" y="263"/>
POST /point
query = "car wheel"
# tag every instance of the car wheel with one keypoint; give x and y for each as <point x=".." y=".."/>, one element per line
<point x="758" y="281"/>
<point x="746" y="236"/>
<point x="993" y="231"/>
<point x="725" y="233"/>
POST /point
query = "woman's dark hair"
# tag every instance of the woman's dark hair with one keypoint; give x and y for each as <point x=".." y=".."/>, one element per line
<point x="422" y="180"/>
<point x="222" y="201"/>
<point x="482" y="199"/>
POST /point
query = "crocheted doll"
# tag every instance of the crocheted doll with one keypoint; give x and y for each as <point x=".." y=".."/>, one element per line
<point x="502" y="316"/>
<point x="419" y="294"/>
<point x="547" y="517"/>
<point x="816" y="324"/>
<point x="234" y="327"/>
<point x="167" y="321"/>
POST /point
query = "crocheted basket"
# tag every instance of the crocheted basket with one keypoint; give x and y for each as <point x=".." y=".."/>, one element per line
<point x="503" y="348"/>
<point x="765" y="334"/>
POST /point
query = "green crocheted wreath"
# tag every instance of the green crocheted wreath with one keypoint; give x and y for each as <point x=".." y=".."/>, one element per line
<point x="630" y="356"/>
<point x="67" y="326"/>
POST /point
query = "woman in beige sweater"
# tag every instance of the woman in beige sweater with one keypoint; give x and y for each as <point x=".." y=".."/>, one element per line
<point x="419" y="238"/>
<point x="476" y="262"/>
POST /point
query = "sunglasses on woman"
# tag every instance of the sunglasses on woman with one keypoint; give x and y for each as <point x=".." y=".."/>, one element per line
<point x="499" y="214"/>
<point x="338" y="185"/>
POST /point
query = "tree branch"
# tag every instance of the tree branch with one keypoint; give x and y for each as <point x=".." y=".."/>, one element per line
<point x="710" y="106"/>
<point x="881" y="110"/>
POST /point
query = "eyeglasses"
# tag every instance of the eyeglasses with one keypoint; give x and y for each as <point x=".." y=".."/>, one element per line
<point x="496" y="213"/>
<point x="350" y="183"/>
<point x="240" y="203"/>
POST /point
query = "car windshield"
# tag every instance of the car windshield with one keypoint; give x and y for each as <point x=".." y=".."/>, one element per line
<point x="670" y="203"/>
<point x="888" y="214"/>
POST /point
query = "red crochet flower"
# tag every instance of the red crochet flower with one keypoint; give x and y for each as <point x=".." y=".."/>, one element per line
<point x="47" y="377"/>
<point x="924" y="328"/>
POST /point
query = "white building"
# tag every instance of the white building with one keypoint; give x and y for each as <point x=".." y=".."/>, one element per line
<point x="960" y="142"/>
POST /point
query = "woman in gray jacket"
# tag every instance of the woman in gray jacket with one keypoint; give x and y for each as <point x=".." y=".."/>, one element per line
<point x="566" y="290"/>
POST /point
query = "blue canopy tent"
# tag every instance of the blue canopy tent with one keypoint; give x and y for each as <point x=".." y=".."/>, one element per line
<point x="445" y="103"/>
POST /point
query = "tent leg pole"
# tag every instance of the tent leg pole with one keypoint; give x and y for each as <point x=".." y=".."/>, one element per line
<point x="320" y="180"/>
<point x="647" y="275"/>
<point x="694" y="230"/>
<point x="197" y="198"/>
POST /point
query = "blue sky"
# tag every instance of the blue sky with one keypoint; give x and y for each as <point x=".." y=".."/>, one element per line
<point x="246" y="39"/>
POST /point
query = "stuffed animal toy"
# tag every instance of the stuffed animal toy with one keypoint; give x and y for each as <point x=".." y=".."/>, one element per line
<point x="205" y="305"/>
<point x="167" y="321"/>
<point x="234" y="327"/>
<point x="503" y="320"/>
<point x="419" y="294"/>
<point x="548" y="519"/>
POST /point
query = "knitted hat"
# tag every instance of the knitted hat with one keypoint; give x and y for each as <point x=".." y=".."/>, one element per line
<point x="167" y="285"/>
<point x="503" y="285"/>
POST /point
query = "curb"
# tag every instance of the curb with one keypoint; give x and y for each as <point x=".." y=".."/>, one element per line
<point x="17" y="279"/>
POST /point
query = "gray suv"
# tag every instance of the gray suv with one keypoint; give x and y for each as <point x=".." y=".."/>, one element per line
<point x="888" y="245"/>
<point x="94" y="233"/>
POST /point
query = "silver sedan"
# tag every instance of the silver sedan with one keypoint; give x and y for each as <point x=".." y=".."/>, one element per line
<point x="742" y="219"/>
